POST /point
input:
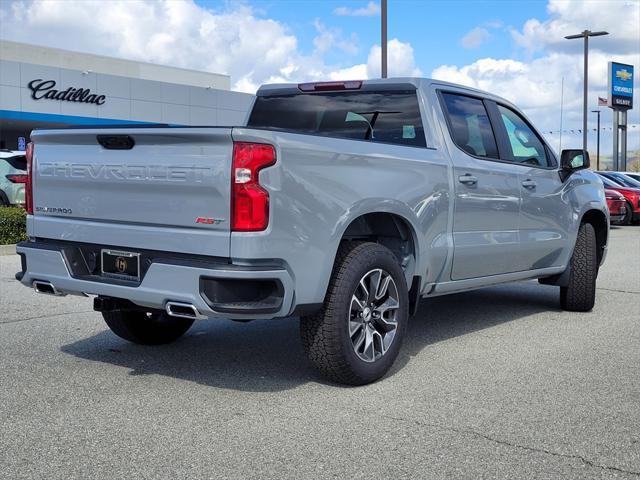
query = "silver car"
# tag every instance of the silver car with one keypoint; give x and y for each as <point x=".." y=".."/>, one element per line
<point x="13" y="175"/>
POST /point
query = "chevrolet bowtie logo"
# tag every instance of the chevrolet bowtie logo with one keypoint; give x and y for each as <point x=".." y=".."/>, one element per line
<point x="624" y="75"/>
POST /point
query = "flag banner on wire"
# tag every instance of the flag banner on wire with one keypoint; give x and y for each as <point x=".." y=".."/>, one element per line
<point x="578" y="131"/>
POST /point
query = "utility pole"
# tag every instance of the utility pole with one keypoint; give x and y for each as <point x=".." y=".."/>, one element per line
<point x="561" y="111"/>
<point x="616" y="137"/>
<point x="598" y="141"/>
<point x="585" y="34"/>
<point x="383" y="40"/>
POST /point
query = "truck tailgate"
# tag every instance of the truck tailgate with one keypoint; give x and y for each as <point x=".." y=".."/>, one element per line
<point x="169" y="192"/>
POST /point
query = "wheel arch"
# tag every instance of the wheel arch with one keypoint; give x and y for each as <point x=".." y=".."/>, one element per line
<point x="395" y="232"/>
<point x="598" y="220"/>
<point x="601" y="226"/>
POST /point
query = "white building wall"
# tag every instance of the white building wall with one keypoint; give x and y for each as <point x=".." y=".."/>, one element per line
<point x="126" y="98"/>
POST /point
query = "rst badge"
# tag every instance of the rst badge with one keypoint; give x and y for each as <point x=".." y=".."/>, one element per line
<point x="209" y="220"/>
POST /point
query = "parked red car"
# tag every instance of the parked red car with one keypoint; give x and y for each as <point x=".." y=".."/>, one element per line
<point x="617" y="205"/>
<point x="631" y="195"/>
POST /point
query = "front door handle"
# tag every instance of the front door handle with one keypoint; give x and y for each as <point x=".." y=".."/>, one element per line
<point x="530" y="184"/>
<point x="467" y="179"/>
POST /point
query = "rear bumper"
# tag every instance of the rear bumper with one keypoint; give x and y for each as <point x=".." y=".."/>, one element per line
<point x="203" y="286"/>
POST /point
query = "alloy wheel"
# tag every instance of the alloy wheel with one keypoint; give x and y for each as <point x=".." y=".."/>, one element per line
<point x="373" y="315"/>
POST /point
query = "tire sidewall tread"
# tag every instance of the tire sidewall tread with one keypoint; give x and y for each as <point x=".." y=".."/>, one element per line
<point x="579" y="295"/>
<point x="325" y="335"/>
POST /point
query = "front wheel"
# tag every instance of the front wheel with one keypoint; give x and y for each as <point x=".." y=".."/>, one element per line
<point x="580" y="293"/>
<point x="357" y="335"/>
<point x="146" y="328"/>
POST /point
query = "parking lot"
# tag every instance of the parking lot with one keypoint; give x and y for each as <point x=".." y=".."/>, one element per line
<point x="497" y="383"/>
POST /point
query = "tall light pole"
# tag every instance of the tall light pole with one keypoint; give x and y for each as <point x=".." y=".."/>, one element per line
<point x="598" y="141"/>
<point x="585" y="34"/>
<point x="383" y="39"/>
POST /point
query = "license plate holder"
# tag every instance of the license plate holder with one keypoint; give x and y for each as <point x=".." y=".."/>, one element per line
<point x="120" y="264"/>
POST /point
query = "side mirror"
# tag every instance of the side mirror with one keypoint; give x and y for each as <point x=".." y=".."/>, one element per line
<point x="572" y="160"/>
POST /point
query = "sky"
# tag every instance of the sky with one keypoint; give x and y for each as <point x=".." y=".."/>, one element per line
<point x="515" y="49"/>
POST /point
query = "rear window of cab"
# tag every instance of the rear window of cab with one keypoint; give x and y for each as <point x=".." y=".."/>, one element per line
<point x="383" y="117"/>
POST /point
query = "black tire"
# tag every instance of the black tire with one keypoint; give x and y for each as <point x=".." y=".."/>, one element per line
<point x="4" y="200"/>
<point x="146" y="328"/>
<point x="580" y="294"/>
<point x="326" y="335"/>
<point x="628" y="215"/>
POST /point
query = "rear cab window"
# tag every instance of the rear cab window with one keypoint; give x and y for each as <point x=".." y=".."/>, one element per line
<point x="384" y="117"/>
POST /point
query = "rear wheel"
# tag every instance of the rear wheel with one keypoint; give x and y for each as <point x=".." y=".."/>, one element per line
<point x="146" y="328"/>
<point x="580" y="293"/>
<point x="357" y="335"/>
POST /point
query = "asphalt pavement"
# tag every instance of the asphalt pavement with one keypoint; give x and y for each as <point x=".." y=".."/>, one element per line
<point x="496" y="383"/>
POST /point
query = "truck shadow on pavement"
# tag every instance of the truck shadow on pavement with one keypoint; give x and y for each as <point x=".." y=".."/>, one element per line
<point x="264" y="356"/>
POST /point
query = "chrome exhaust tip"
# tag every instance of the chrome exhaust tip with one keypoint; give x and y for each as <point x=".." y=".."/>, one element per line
<point x="183" y="310"/>
<point x="41" y="286"/>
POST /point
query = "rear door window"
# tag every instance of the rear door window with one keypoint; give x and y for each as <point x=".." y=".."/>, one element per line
<point x="470" y="126"/>
<point x="384" y="117"/>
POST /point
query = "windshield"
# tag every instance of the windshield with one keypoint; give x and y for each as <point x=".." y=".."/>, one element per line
<point x="609" y="183"/>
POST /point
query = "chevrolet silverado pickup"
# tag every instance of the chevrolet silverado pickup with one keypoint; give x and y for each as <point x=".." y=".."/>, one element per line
<point x="342" y="203"/>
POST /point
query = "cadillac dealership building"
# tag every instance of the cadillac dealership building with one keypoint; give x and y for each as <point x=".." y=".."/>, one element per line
<point x="44" y="87"/>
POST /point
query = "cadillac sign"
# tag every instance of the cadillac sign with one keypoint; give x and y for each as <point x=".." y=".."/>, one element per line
<point x="620" y="86"/>
<point x="46" y="89"/>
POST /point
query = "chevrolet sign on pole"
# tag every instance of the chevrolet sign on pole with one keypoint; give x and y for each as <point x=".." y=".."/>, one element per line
<point x="620" y="86"/>
<point x="620" y="99"/>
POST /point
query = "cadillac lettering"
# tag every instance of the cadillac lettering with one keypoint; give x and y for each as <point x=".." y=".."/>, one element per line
<point x="45" y="89"/>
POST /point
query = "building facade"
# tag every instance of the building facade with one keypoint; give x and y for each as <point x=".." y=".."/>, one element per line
<point x="43" y="87"/>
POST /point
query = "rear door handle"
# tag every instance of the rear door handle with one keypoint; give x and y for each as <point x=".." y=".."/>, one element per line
<point x="530" y="184"/>
<point x="467" y="179"/>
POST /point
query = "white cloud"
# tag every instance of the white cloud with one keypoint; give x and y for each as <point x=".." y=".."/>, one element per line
<point x="372" y="9"/>
<point x="534" y="83"/>
<point x="329" y="38"/>
<point x="475" y="38"/>
<point x="401" y="63"/>
<point x="621" y="18"/>
<point x="183" y="34"/>
<point x="236" y="40"/>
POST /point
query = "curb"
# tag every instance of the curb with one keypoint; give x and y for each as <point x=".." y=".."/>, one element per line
<point x="7" y="250"/>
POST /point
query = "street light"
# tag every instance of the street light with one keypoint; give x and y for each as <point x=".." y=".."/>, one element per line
<point x="585" y="34"/>
<point x="598" y="148"/>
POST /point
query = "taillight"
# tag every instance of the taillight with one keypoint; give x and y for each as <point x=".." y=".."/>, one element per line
<point x="249" y="201"/>
<point x="28" y="188"/>
<point x="17" y="177"/>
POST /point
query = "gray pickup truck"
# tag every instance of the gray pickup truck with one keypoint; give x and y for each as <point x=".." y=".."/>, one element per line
<point x="343" y="203"/>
